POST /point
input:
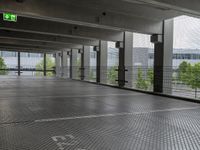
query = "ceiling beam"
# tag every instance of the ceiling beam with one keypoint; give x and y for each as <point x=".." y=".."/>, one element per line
<point x="60" y="29"/>
<point x="38" y="44"/>
<point x="190" y="7"/>
<point x="20" y="48"/>
<point x="129" y="7"/>
<point x="46" y="38"/>
<point x="75" y="14"/>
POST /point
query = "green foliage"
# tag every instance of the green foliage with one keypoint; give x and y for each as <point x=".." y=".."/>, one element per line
<point x="3" y="66"/>
<point x="141" y="82"/>
<point x="183" y="71"/>
<point x="150" y="76"/>
<point x="49" y="66"/>
<point x="112" y="75"/>
<point x="190" y="75"/>
<point x="194" y="76"/>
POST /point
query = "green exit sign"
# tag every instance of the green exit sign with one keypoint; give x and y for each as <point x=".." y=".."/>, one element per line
<point x="9" y="17"/>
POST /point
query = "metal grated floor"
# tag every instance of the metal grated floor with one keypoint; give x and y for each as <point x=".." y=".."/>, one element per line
<point x="56" y="114"/>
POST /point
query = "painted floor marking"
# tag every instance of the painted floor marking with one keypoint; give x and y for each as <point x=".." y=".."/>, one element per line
<point x="115" y="114"/>
<point x="64" y="141"/>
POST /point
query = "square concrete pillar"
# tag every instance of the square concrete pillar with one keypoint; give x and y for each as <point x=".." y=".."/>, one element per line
<point x="158" y="67"/>
<point x="70" y="63"/>
<point x="86" y="60"/>
<point x="65" y="69"/>
<point x="125" y="60"/>
<point x="102" y="62"/>
<point x="128" y="62"/>
<point x="163" y="60"/>
<point x="58" y="64"/>
<point x="98" y="62"/>
<point x="74" y="54"/>
<point x="19" y="63"/>
<point x="168" y="56"/>
<point x="45" y="64"/>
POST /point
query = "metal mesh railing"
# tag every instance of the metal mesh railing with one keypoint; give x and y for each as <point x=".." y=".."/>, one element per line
<point x="186" y="83"/>
<point x="139" y="77"/>
<point x="26" y="71"/>
<point x="177" y="82"/>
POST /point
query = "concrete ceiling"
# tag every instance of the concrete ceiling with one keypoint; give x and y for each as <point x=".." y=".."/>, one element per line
<point x="9" y="34"/>
<point x="73" y="23"/>
<point x="90" y="13"/>
<point x="47" y="45"/>
<point x="22" y="48"/>
<point x="47" y="27"/>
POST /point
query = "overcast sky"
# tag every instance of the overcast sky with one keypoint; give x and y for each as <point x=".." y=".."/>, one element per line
<point x="139" y="40"/>
<point x="187" y="32"/>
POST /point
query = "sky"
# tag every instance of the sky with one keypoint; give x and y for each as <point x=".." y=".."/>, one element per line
<point x="139" y="40"/>
<point x="186" y="34"/>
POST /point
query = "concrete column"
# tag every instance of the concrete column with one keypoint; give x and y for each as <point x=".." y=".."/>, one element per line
<point x="125" y="60"/>
<point x="158" y="67"/>
<point x="81" y="52"/>
<point x="70" y="64"/>
<point x="128" y="62"/>
<point x="74" y="54"/>
<point x="102" y="61"/>
<point x="45" y="65"/>
<point x="121" y="68"/>
<point x="163" y="56"/>
<point x="98" y="62"/>
<point x="168" y="56"/>
<point x="19" y="65"/>
<point x="58" y="64"/>
<point x="61" y="63"/>
<point x="64" y="64"/>
<point x="86" y="59"/>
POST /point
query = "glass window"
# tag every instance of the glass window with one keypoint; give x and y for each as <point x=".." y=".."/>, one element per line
<point x="9" y="62"/>
<point x="93" y="62"/>
<point x="186" y="60"/>
<point x="143" y="62"/>
<point x="113" y="62"/>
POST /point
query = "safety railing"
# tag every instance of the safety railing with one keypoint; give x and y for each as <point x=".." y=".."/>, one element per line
<point x="26" y="71"/>
<point x="175" y="81"/>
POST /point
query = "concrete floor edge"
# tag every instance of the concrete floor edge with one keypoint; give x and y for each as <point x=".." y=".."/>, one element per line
<point x="146" y="92"/>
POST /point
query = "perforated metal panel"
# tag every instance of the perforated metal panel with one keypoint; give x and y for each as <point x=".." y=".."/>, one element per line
<point x="53" y="114"/>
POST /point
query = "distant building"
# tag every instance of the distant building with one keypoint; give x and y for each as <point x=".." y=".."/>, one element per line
<point x="142" y="56"/>
<point x="28" y="60"/>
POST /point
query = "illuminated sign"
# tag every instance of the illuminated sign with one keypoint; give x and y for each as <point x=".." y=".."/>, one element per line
<point x="10" y="17"/>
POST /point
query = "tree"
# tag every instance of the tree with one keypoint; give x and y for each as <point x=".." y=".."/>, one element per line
<point x="112" y="75"/>
<point x="190" y="75"/>
<point x="141" y="83"/>
<point x="182" y="71"/>
<point x="193" y="77"/>
<point x="49" y="66"/>
<point x="150" y="76"/>
<point x="3" y="66"/>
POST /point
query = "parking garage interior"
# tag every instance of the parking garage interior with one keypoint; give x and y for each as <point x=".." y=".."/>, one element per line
<point x="99" y="75"/>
